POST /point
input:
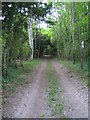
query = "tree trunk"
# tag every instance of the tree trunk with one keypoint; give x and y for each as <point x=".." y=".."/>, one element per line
<point x="81" y="59"/>
<point x="5" y="62"/>
<point x="73" y="49"/>
<point x="73" y="34"/>
<point x="56" y="43"/>
<point x="30" y="37"/>
<point x="39" y="43"/>
<point x="35" y="40"/>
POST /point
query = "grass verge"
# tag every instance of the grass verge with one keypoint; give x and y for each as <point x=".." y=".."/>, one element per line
<point x="17" y="77"/>
<point x="83" y="73"/>
<point x="54" y="100"/>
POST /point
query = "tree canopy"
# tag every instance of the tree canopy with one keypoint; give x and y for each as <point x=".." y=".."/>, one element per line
<point x="66" y="35"/>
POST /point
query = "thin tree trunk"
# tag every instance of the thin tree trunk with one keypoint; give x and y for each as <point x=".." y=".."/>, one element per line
<point x="57" y="43"/>
<point x="71" y="27"/>
<point x="61" y="38"/>
<point x="70" y="17"/>
<point x="39" y="41"/>
<point x="5" y="62"/>
<point x="35" y="41"/>
<point x="65" y="26"/>
<point x="73" y="34"/>
<point x="30" y="37"/>
<point x="81" y="59"/>
<point x="73" y="49"/>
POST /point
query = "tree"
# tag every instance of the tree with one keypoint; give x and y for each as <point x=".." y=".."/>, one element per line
<point x="15" y="28"/>
<point x="81" y="54"/>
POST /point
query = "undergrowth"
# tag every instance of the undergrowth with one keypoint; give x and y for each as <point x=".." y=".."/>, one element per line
<point x="17" y="77"/>
<point x="76" y="68"/>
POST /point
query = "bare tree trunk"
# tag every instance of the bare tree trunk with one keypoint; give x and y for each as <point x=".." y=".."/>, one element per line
<point x="30" y="37"/>
<point x="63" y="18"/>
<point x="81" y="59"/>
<point x="59" y="43"/>
<point x="39" y="42"/>
<point x="56" y="43"/>
<point x="35" y="40"/>
<point x="61" y="31"/>
<point x="73" y="49"/>
<point x="5" y="62"/>
<point x="70" y="35"/>
<point x="70" y="17"/>
<point x="73" y="34"/>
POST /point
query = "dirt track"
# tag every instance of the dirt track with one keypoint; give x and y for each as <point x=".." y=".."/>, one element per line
<point x="30" y="101"/>
<point x="75" y="95"/>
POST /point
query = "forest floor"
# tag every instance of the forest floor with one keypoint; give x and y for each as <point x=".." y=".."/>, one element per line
<point x="50" y="91"/>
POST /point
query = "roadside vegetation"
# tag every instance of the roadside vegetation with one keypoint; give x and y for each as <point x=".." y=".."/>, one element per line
<point x="23" y="36"/>
<point x="17" y="77"/>
<point x="54" y="100"/>
<point x="83" y="73"/>
<point x="33" y="30"/>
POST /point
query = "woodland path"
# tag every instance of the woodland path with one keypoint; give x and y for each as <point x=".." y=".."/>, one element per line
<point x="75" y="95"/>
<point x="30" y="101"/>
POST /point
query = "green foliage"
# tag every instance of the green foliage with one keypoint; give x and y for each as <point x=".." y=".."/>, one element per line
<point x="57" y="40"/>
<point x="61" y="34"/>
<point x="42" y="115"/>
<point x="15" y="41"/>
<point x="76" y="69"/>
<point x="16" y="77"/>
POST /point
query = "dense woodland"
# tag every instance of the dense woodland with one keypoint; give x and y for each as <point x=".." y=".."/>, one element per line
<point x="23" y="39"/>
